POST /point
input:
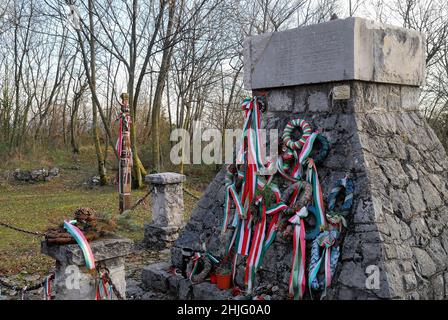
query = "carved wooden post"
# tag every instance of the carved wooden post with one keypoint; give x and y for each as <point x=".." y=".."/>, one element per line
<point x="124" y="151"/>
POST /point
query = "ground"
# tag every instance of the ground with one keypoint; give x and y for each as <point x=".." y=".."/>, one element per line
<point x="37" y="206"/>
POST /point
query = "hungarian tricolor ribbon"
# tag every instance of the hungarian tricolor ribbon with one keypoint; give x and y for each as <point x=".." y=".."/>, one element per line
<point x="195" y="260"/>
<point x="48" y="291"/>
<point x="231" y="194"/>
<point x="103" y="289"/>
<point x="76" y="233"/>
<point x="318" y="198"/>
<point x="255" y="255"/>
<point x="297" y="279"/>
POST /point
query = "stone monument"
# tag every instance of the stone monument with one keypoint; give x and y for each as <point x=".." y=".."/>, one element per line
<point x="167" y="206"/>
<point x="73" y="281"/>
<point x="358" y="83"/>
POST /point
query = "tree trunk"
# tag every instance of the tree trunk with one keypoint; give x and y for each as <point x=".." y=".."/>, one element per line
<point x="155" y="118"/>
<point x="95" y="133"/>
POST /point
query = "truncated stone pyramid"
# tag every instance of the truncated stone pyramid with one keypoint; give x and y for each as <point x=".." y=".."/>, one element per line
<point x="354" y="92"/>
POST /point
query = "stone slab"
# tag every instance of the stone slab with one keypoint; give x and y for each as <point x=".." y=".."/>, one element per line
<point x="103" y="249"/>
<point x="165" y="178"/>
<point x="338" y="50"/>
<point x="157" y="277"/>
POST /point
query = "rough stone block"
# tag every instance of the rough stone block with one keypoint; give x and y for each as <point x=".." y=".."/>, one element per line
<point x="73" y="281"/>
<point x="157" y="237"/>
<point x="103" y="249"/>
<point x="208" y="291"/>
<point x="348" y="49"/>
<point x="155" y="276"/>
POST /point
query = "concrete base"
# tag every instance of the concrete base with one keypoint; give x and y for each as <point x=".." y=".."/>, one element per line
<point x="72" y="279"/>
<point x="156" y="277"/>
<point x="158" y="238"/>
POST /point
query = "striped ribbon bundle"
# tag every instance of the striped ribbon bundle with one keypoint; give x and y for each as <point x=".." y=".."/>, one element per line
<point x="253" y="236"/>
<point x="338" y="217"/>
<point x="48" y="287"/>
<point x="123" y="133"/>
<point x="195" y="260"/>
<point x="329" y="258"/>
<point x="297" y="279"/>
<point x="103" y="289"/>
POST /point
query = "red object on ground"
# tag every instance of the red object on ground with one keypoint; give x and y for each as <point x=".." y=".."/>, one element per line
<point x="223" y="280"/>
<point x="236" y="291"/>
<point x="213" y="278"/>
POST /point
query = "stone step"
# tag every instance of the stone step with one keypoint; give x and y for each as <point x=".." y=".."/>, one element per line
<point x="156" y="277"/>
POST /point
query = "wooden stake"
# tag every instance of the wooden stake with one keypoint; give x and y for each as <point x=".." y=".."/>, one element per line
<point x="125" y="162"/>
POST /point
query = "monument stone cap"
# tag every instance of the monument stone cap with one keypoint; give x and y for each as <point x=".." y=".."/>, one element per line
<point x="338" y="50"/>
<point x="165" y="178"/>
<point x="102" y="249"/>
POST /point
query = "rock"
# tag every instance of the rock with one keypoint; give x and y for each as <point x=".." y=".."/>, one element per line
<point x="425" y="265"/>
<point x="53" y="172"/>
<point x="155" y="276"/>
<point x="39" y="174"/>
<point x="94" y="181"/>
<point x="208" y="291"/>
<point x="133" y="289"/>
<point x="410" y="282"/>
<point x="21" y="175"/>
<point x="437" y="284"/>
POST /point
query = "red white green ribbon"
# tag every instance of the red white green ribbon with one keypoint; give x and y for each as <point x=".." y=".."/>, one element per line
<point x="48" y="290"/>
<point x="270" y="235"/>
<point x="124" y="126"/>
<point x="297" y="279"/>
<point x="244" y="235"/>
<point x="231" y="193"/>
<point x="76" y="233"/>
<point x="318" y="198"/>
<point x="255" y="254"/>
<point x="276" y="208"/>
<point x="195" y="260"/>
<point x="103" y="289"/>
<point x="307" y="148"/>
<point x="290" y="127"/>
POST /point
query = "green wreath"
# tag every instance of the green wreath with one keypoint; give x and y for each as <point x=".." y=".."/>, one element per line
<point x="324" y="149"/>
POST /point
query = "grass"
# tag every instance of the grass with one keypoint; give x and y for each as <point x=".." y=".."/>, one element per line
<point x="38" y="206"/>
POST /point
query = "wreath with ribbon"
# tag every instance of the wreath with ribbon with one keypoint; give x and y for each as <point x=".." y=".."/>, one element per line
<point x="293" y="125"/>
<point x="260" y="210"/>
<point x="338" y="216"/>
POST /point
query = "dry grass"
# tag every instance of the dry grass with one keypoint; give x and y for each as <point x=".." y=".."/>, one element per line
<point x="41" y="205"/>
